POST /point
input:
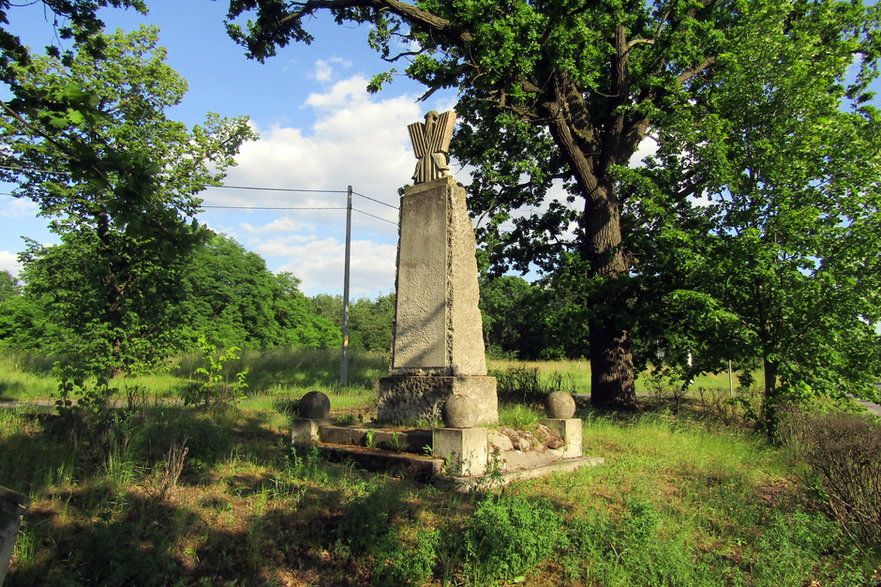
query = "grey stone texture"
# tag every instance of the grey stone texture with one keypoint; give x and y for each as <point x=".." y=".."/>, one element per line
<point x="307" y="430"/>
<point x="560" y="405"/>
<point x="464" y="449"/>
<point x="314" y="405"/>
<point x="12" y="508"/>
<point x="460" y="412"/>
<point x="570" y="429"/>
<point x="410" y="398"/>
<point x="431" y="143"/>
<point x="438" y="339"/>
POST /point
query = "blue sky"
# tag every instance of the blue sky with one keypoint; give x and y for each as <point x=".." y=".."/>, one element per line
<point x="319" y="129"/>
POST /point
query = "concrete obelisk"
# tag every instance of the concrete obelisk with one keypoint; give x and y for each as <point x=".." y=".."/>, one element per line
<point x="438" y="350"/>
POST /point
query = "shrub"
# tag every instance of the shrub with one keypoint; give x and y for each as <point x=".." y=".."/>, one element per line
<point x="843" y="452"/>
<point x="525" y="384"/>
<point x="509" y="535"/>
<point x="214" y="388"/>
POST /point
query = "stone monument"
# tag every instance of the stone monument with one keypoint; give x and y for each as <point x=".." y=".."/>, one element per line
<point x="438" y="350"/>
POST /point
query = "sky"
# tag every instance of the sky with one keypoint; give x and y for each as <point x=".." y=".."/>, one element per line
<point x="319" y="130"/>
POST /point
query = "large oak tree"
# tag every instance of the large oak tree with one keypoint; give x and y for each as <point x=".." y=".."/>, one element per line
<point x="550" y="90"/>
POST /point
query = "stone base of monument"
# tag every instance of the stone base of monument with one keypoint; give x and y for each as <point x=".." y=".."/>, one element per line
<point x="457" y="458"/>
<point x="414" y="398"/>
<point x="570" y="430"/>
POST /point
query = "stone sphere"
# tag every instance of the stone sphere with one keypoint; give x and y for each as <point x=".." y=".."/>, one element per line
<point x="460" y="412"/>
<point x="560" y="405"/>
<point x="314" y="405"/>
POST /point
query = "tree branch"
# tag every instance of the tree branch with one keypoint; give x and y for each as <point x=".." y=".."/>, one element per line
<point x="410" y="13"/>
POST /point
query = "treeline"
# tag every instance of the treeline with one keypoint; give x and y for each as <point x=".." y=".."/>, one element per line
<point x="226" y="294"/>
<point x="229" y="296"/>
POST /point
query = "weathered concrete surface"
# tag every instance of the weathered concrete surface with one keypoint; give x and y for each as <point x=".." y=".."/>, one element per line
<point x="539" y="466"/>
<point x="406" y="399"/>
<point x="305" y="430"/>
<point x="408" y="466"/>
<point x="463" y="449"/>
<point x="438" y="326"/>
<point x="438" y="347"/>
<point x="571" y="430"/>
<point x="414" y="441"/>
<point x="12" y="508"/>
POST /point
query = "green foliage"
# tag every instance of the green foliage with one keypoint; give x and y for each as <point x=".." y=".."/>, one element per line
<point x="759" y="241"/>
<point x="791" y="544"/>
<point x="216" y="390"/>
<point x="759" y="107"/>
<point x="117" y="179"/>
<point x="507" y="536"/>
<point x="9" y="286"/>
<point x="370" y="321"/>
<point x="233" y="300"/>
<point x="526" y="385"/>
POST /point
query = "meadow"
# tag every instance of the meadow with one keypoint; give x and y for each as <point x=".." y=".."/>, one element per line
<point x="156" y="492"/>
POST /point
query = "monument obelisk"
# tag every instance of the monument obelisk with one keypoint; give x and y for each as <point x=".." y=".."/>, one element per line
<point x="438" y="351"/>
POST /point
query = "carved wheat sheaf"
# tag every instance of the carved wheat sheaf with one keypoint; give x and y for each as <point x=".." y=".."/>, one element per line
<point x="431" y="143"/>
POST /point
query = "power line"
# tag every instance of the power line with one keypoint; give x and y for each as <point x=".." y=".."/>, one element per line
<point x="233" y="187"/>
<point x="374" y="216"/>
<point x="268" y="189"/>
<point x="271" y="207"/>
<point x="296" y="208"/>
<point x="375" y="200"/>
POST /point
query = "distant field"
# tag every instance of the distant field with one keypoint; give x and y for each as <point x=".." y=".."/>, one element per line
<point x="289" y="373"/>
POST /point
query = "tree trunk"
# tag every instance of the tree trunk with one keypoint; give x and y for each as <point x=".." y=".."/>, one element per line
<point x="611" y="360"/>
<point x="770" y="397"/>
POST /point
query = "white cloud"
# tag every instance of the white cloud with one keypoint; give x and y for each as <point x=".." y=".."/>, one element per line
<point x="342" y="93"/>
<point x="320" y="264"/>
<point x="324" y="69"/>
<point x="9" y="262"/>
<point x="20" y="208"/>
<point x="356" y="139"/>
<point x="285" y="224"/>
<point x="647" y="148"/>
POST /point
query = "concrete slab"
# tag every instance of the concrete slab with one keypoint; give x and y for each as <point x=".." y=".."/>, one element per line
<point x="505" y="477"/>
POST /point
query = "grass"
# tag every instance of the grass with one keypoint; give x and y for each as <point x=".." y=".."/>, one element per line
<point x="678" y="502"/>
<point x="286" y="372"/>
<point x="168" y="494"/>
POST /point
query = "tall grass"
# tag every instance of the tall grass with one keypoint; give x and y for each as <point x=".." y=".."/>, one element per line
<point x="25" y="375"/>
<point x="283" y="372"/>
<point x="188" y="497"/>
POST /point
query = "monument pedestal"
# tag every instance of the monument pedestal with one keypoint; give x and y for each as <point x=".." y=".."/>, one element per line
<point x="408" y="398"/>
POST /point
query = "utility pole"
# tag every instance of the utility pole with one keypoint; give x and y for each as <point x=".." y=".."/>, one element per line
<point x="344" y="355"/>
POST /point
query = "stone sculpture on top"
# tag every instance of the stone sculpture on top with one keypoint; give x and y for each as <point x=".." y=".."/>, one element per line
<point x="431" y="143"/>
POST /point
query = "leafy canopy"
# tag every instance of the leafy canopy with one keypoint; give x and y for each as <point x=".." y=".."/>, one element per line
<point x="118" y="183"/>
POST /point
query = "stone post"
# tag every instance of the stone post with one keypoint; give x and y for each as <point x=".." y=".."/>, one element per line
<point x="12" y="507"/>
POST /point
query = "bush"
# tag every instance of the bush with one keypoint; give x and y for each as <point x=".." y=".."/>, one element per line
<point x="508" y="536"/>
<point x="843" y="452"/>
<point x="526" y="385"/>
